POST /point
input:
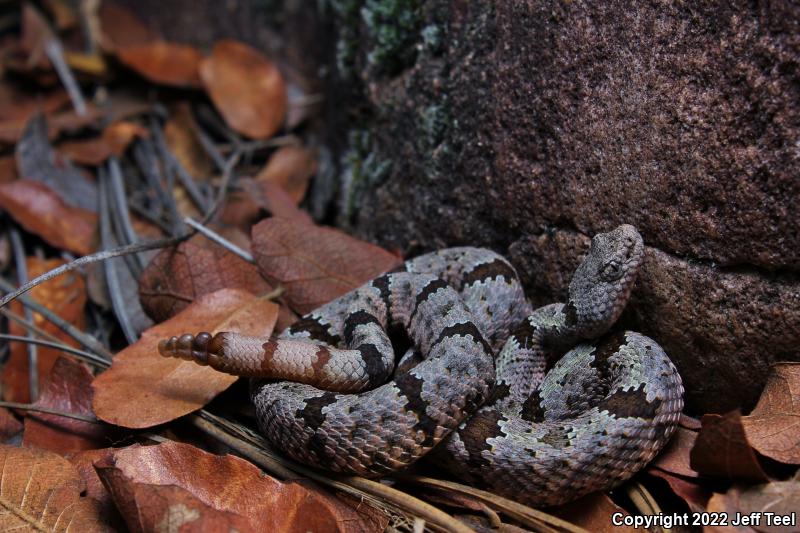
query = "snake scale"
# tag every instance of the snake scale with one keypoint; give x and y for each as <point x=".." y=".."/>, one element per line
<point x="472" y="383"/>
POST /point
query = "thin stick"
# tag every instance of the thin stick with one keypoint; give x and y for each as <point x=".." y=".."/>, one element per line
<point x="88" y="259"/>
<point x="116" y="191"/>
<point x="227" y="179"/>
<point x="523" y="513"/>
<point x="186" y="179"/>
<point x="112" y="280"/>
<point x="80" y="354"/>
<point x="47" y="410"/>
<point x="55" y="53"/>
<point x="22" y="277"/>
<point x="219" y="239"/>
<point x="644" y="501"/>
<point x="29" y="325"/>
<point x="87" y="341"/>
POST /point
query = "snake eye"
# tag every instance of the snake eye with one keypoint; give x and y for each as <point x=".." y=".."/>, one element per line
<point x="611" y="271"/>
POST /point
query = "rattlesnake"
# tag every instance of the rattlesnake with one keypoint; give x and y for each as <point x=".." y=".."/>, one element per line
<point x="598" y="416"/>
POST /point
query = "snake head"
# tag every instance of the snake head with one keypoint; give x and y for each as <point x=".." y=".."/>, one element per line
<point x="602" y="283"/>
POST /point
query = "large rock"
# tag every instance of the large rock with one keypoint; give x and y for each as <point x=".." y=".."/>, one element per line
<point x="528" y="126"/>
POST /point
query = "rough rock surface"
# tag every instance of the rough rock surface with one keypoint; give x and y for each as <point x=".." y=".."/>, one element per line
<point x="527" y="126"/>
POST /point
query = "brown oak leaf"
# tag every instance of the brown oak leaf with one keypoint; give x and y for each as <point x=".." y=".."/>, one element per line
<point x="143" y="389"/>
<point x="721" y="450"/>
<point x="291" y="167"/>
<point x="68" y="390"/>
<point x="315" y="264"/>
<point x="247" y="89"/>
<point x="163" y="62"/>
<point x="41" y="491"/>
<point x="177" y="276"/>
<point x="773" y="428"/>
<point x="226" y="484"/>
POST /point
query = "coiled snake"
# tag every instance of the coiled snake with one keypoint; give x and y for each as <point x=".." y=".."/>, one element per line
<point x="597" y="417"/>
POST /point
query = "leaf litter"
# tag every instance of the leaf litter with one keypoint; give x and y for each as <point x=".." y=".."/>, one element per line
<point x="184" y="129"/>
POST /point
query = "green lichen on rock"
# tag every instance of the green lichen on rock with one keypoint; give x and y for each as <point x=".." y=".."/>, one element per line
<point x="393" y="26"/>
<point x="362" y="170"/>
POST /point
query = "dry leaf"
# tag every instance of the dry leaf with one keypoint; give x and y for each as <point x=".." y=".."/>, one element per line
<point x="84" y="463"/>
<point x="779" y="497"/>
<point x="291" y="167"/>
<point x="114" y="140"/>
<point x="246" y="88"/>
<point x="18" y="105"/>
<point x="179" y="134"/>
<point x="227" y="484"/>
<point x="41" y="491"/>
<point x="721" y="450"/>
<point x="36" y="32"/>
<point x="773" y="428"/>
<point x="66" y="297"/>
<point x="143" y="389"/>
<point x="315" y="264"/>
<point x="8" y="169"/>
<point x="67" y="390"/>
<point x="38" y="209"/>
<point x="163" y="63"/>
<point x="177" y="276"/>
<point x="593" y="512"/>
<point x="266" y="196"/>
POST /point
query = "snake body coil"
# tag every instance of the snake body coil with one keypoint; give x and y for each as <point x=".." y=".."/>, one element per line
<point x="598" y="416"/>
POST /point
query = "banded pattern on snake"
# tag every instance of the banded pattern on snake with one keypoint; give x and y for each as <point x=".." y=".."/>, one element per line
<point x="473" y="378"/>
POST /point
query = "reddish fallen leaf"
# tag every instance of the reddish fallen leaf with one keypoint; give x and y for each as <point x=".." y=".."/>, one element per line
<point x="84" y="463"/>
<point x="721" y="450"/>
<point x="143" y="389"/>
<point x="315" y="264"/>
<point x="696" y="496"/>
<point x="67" y="390"/>
<point x="773" y="428"/>
<point x="226" y="484"/>
<point x="65" y="296"/>
<point x="9" y="425"/>
<point x="594" y="512"/>
<point x="38" y="161"/>
<point x="41" y="491"/>
<point x="64" y="121"/>
<point x="163" y="62"/>
<point x="122" y="28"/>
<point x="286" y="317"/>
<point x="178" y="276"/>
<point x="782" y="498"/>
<point x="179" y="134"/>
<point x="246" y="88"/>
<point x="675" y="457"/>
<point x="41" y="211"/>
<point x="254" y="200"/>
<point x="291" y="167"/>
<point x="114" y="140"/>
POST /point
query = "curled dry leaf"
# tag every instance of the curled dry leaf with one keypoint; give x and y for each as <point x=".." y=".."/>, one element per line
<point x="177" y="276"/>
<point x="291" y="167"/>
<point x="721" y="450"/>
<point x="68" y="390"/>
<point x="773" y="428"/>
<point x="779" y="497"/>
<point x="246" y="88"/>
<point x="143" y="389"/>
<point x="675" y="457"/>
<point x="41" y="491"/>
<point x="248" y="205"/>
<point x="696" y="496"/>
<point x="315" y="264"/>
<point x="114" y="140"/>
<point x="163" y="63"/>
<point x="65" y="296"/>
<point x="226" y="484"/>
<point x="84" y="463"/>
<point x="38" y="209"/>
